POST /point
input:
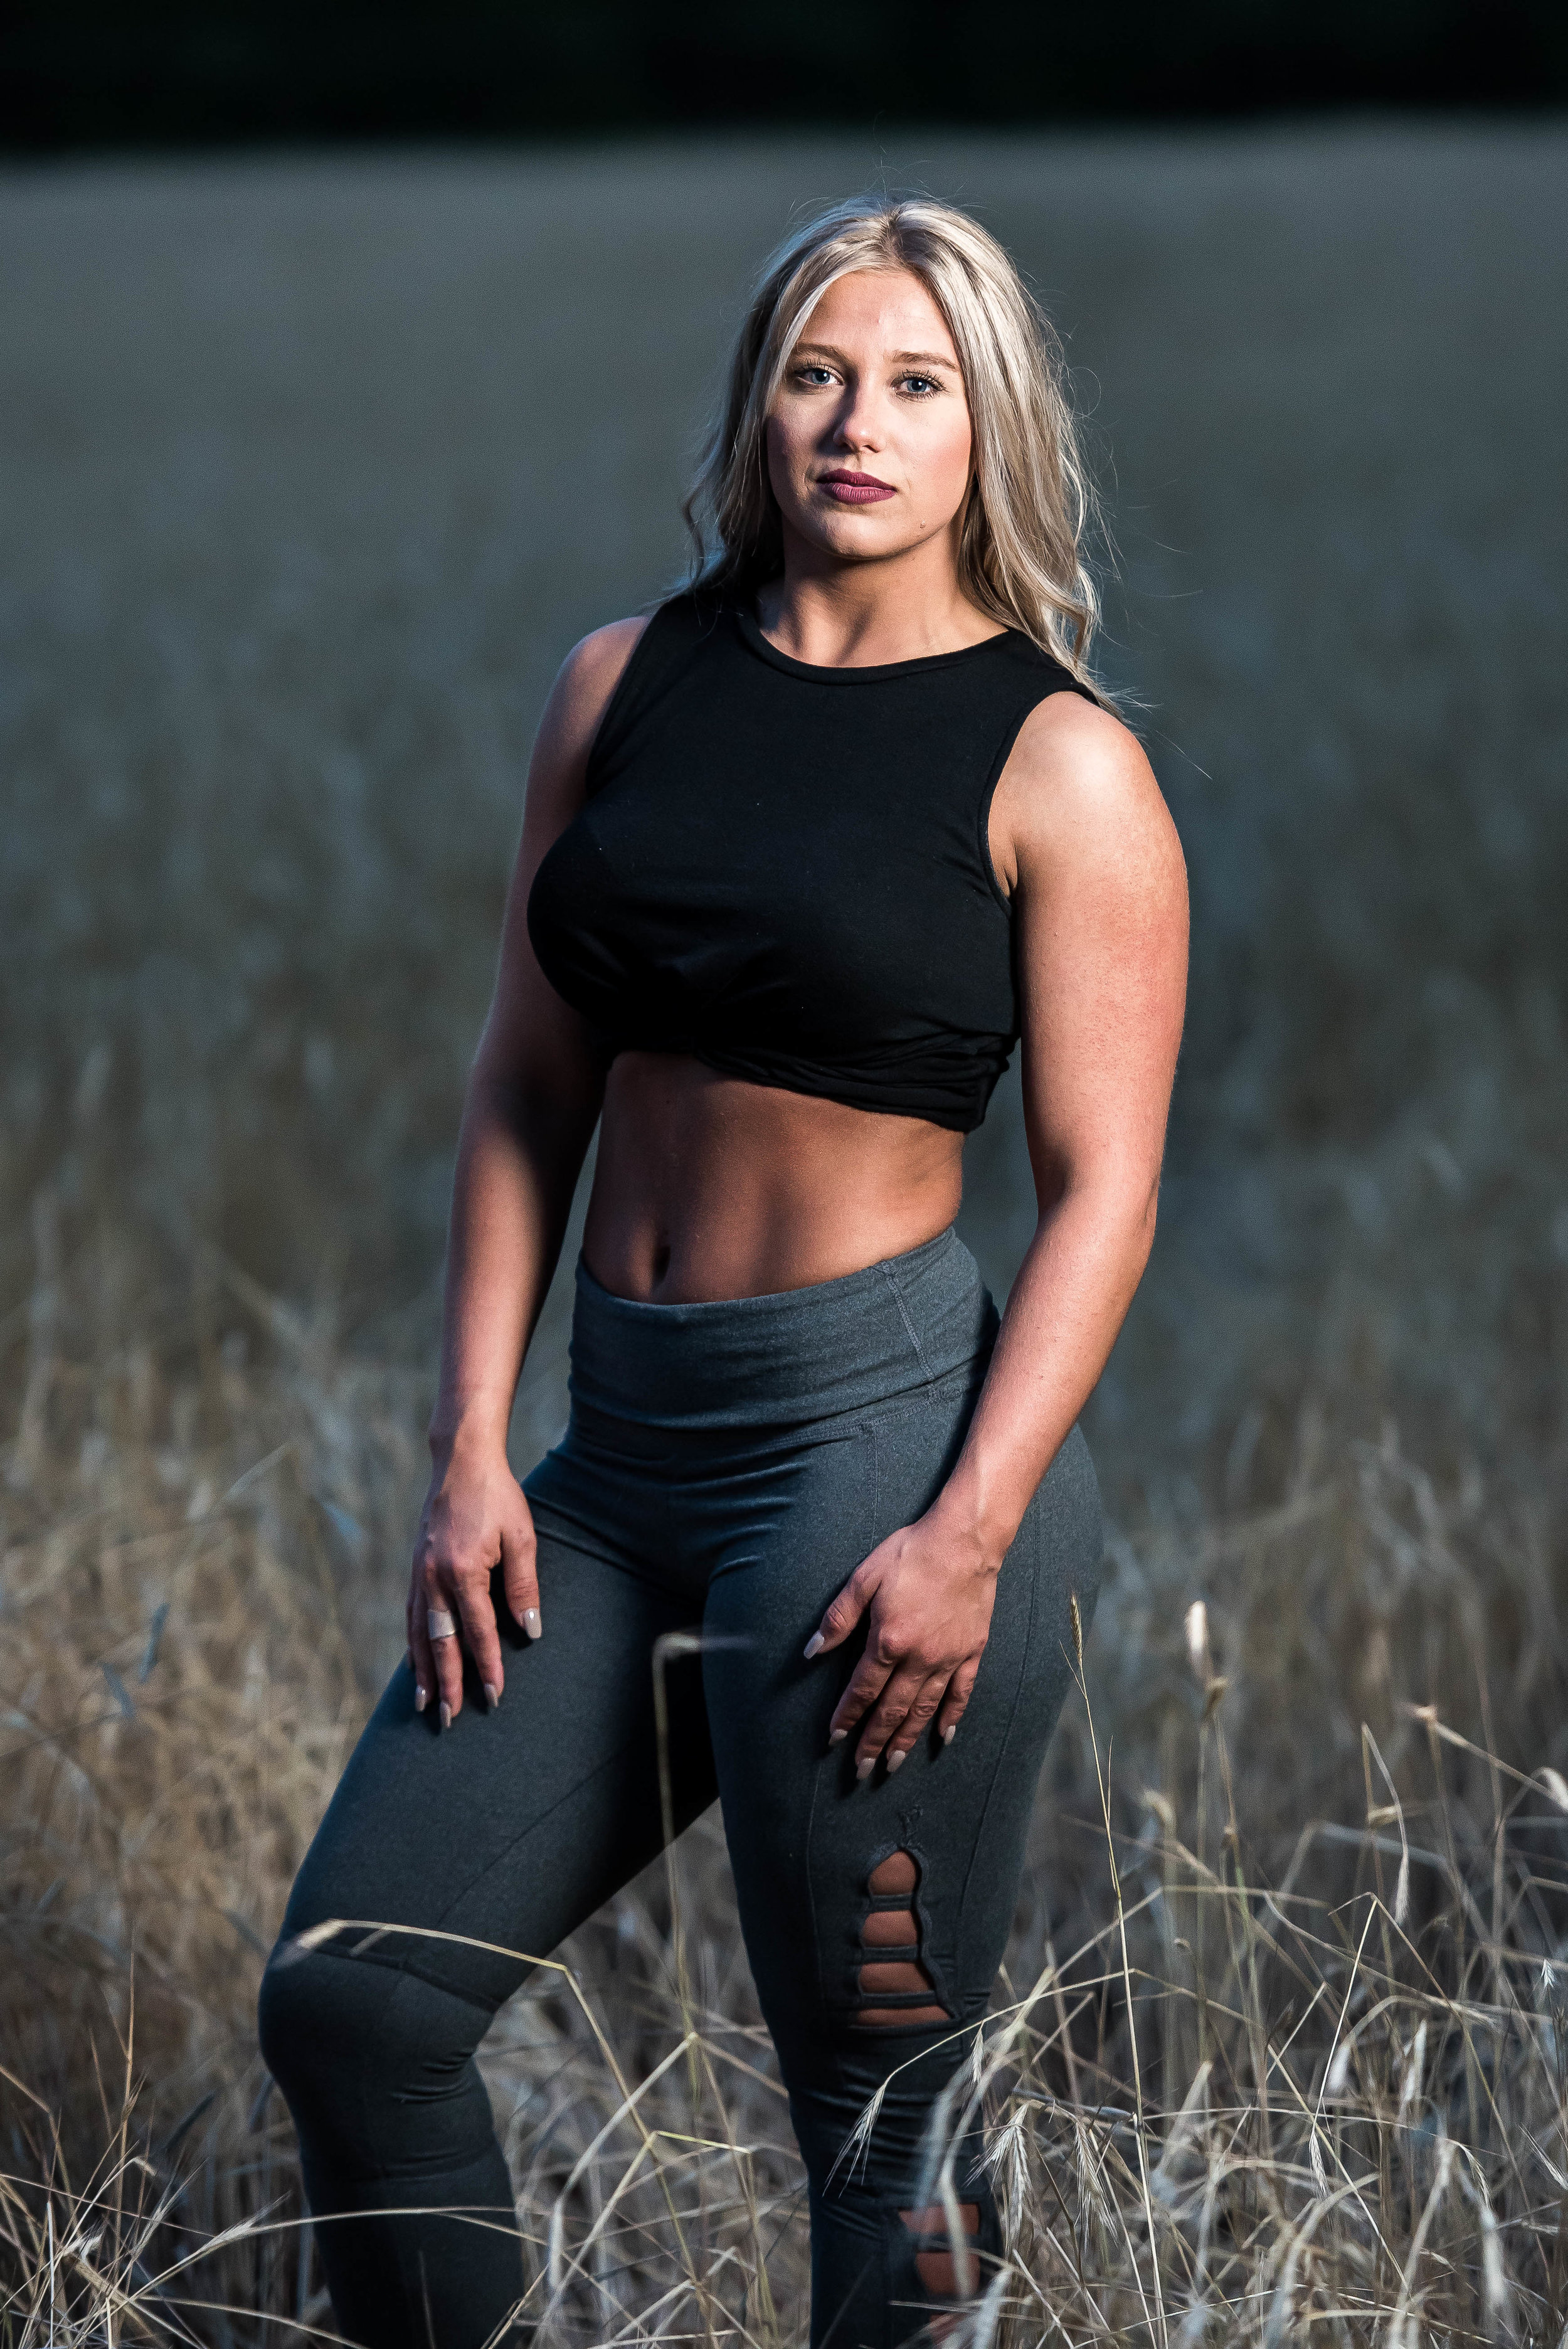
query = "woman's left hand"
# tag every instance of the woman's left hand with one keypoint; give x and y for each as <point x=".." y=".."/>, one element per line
<point x="930" y="1596"/>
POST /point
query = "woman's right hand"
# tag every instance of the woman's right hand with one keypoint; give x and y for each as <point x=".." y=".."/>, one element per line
<point x="474" y="1514"/>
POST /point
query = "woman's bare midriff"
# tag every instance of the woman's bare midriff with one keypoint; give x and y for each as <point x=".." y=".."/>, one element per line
<point x="709" y="1187"/>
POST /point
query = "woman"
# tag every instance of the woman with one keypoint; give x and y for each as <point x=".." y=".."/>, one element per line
<point x="802" y="856"/>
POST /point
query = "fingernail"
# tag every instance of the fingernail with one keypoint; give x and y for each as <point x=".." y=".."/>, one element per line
<point x="421" y="1698"/>
<point x="446" y="1714"/>
<point x="864" y="1769"/>
<point x="949" y="1734"/>
<point x="896" y="1762"/>
<point x="491" y="1697"/>
<point x="531" y="1624"/>
<point x="838" y="1736"/>
<point x="815" y="1645"/>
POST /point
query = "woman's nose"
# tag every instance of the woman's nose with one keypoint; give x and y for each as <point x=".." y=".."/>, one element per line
<point x="858" y="424"/>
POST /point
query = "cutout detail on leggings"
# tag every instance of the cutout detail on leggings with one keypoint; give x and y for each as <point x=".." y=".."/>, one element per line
<point x="937" y="2266"/>
<point x="890" y="1928"/>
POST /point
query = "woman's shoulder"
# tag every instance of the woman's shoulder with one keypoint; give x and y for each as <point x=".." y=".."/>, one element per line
<point x="608" y="678"/>
<point x="586" y="684"/>
<point x="1079" y="779"/>
<point x="621" y="673"/>
<point x="596" y="664"/>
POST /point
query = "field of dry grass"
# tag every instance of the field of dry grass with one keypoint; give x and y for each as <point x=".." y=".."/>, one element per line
<point x="311" y="472"/>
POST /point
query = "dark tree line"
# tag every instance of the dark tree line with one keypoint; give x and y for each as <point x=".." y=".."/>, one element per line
<point x="88" y="72"/>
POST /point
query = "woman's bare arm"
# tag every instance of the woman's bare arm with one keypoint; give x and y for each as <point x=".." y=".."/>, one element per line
<point x="1087" y="847"/>
<point x="1099" y="895"/>
<point x="532" y="1100"/>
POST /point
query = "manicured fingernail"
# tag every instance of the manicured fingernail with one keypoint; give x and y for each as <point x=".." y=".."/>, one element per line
<point x="531" y="1624"/>
<point x="491" y="1697"/>
<point x="896" y="1762"/>
<point x="864" y="1769"/>
<point x="949" y="1734"/>
<point x="815" y="1645"/>
<point x="446" y="1714"/>
<point x="838" y="1736"/>
<point x="421" y="1698"/>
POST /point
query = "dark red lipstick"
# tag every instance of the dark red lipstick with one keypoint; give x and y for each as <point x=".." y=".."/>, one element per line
<point x="851" y="488"/>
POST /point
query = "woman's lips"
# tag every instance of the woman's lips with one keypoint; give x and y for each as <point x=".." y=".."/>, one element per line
<point x="856" y="488"/>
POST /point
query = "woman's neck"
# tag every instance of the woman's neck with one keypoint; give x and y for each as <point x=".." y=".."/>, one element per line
<point x="865" y="615"/>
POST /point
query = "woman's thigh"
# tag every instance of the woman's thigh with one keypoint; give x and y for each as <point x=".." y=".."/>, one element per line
<point x="805" y="1835"/>
<point x="513" y="1826"/>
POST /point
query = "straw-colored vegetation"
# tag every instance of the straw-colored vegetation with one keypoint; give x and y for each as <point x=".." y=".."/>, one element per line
<point x="1279" y="2027"/>
<point x="1278" y="2053"/>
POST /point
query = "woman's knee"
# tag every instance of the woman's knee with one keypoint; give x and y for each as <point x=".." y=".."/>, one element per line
<point x="338" y="2033"/>
<point x="376" y="2063"/>
<point x="316" y="2019"/>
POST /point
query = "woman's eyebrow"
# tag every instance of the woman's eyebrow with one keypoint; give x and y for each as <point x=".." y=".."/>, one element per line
<point x="894" y="359"/>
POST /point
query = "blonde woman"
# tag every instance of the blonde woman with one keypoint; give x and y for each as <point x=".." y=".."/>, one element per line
<point x="804" y="856"/>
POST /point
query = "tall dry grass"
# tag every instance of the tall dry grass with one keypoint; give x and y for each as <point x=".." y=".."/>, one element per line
<point x="310" y="472"/>
<point x="1277" y="2039"/>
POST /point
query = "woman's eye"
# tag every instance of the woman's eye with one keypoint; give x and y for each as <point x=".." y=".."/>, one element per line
<point x="816" y="375"/>
<point x="921" y="386"/>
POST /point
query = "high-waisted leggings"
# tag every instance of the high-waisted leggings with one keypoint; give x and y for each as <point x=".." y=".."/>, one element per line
<point x="727" y="1466"/>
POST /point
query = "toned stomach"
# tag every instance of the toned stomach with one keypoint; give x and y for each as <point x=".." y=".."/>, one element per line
<point x="708" y="1187"/>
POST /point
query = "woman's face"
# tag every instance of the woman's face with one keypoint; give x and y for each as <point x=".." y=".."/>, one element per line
<point x="868" y="440"/>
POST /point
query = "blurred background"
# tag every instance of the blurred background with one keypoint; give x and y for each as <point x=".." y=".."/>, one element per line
<point x="155" y="70"/>
<point x="350" y="368"/>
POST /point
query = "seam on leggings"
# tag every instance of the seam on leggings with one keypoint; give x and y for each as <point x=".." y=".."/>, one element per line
<point x="501" y="1858"/>
<point x="868" y="1524"/>
<point x="583" y="1542"/>
<point x="382" y="2172"/>
<point x="891" y="1278"/>
<point x="1001" y="1754"/>
<point x="401" y="2235"/>
<point x="403" y="1968"/>
<point x="413" y="2273"/>
<point x="811" y="1890"/>
<point x="959" y="1385"/>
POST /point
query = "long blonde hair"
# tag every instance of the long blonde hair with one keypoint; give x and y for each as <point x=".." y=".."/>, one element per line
<point x="1021" y="550"/>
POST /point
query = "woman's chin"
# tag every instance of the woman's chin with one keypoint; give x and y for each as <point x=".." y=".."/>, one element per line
<point x="851" y="536"/>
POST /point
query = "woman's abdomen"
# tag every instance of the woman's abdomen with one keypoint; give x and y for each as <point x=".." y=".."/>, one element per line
<point x="707" y="1186"/>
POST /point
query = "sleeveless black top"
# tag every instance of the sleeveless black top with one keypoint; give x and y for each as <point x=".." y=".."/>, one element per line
<point x="783" y="871"/>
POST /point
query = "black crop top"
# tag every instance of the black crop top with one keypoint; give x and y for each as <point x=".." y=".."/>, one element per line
<point x="784" y="872"/>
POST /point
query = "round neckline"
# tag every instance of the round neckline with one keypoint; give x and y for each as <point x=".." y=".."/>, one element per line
<point x="862" y="673"/>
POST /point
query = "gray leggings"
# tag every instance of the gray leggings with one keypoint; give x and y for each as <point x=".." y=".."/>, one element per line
<point x="729" y="1465"/>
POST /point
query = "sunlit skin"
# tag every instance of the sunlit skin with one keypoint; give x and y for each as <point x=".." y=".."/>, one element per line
<point x="708" y="1187"/>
